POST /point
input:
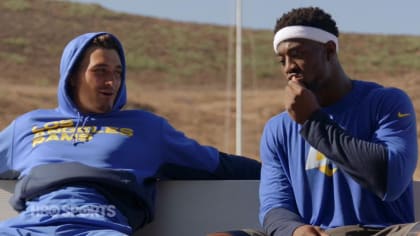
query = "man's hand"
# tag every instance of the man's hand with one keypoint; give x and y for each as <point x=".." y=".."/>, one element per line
<point x="309" y="230"/>
<point x="299" y="101"/>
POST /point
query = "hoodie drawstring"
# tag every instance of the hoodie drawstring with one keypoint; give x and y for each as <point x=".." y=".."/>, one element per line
<point x="84" y="120"/>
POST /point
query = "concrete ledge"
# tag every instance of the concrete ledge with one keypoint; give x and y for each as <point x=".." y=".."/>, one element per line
<point x="187" y="207"/>
<point x="200" y="207"/>
<point x="196" y="207"/>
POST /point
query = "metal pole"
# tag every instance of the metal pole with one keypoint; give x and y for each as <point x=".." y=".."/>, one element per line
<point x="238" y="77"/>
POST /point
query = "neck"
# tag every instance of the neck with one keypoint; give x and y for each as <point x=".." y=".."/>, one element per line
<point x="337" y="87"/>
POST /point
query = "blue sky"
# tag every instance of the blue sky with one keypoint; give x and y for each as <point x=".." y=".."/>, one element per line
<point x="352" y="16"/>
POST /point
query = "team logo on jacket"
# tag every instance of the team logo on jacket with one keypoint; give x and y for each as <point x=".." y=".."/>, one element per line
<point x="317" y="160"/>
<point x="65" y="130"/>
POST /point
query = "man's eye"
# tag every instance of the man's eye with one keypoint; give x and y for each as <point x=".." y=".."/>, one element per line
<point x="296" y="53"/>
<point x="99" y="70"/>
<point x="281" y="60"/>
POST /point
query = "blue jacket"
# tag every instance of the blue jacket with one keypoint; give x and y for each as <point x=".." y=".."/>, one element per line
<point x="350" y="163"/>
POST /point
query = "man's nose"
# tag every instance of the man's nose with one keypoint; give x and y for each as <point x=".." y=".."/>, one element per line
<point x="289" y="66"/>
<point x="111" y="78"/>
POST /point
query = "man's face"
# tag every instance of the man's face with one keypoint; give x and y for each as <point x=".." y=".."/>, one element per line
<point x="305" y="61"/>
<point x="97" y="82"/>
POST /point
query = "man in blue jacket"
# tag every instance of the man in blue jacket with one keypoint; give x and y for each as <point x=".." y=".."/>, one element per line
<point x="340" y="159"/>
<point x="88" y="167"/>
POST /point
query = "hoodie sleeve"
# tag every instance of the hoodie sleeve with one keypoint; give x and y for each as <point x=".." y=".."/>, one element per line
<point x="185" y="158"/>
<point x="6" y="152"/>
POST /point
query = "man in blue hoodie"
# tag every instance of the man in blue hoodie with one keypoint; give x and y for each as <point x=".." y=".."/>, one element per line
<point x="88" y="167"/>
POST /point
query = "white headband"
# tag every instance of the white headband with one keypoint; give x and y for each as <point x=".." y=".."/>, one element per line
<point x="305" y="32"/>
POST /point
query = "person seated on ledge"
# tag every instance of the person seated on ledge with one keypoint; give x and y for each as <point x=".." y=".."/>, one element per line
<point x="88" y="167"/>
<point x="341" y="158"/>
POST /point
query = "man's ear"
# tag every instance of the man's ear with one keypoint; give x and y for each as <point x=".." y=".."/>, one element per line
<point x="331" y="49"/>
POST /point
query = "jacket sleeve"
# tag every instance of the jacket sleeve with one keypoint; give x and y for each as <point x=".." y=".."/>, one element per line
<point x="278" y="211"/>
<point x="385" y="164"/>
<point x="230" y="167"/>
<point x="185" y="158"/>
<point x="281" y="222"/>
<point x="6" y="153"/>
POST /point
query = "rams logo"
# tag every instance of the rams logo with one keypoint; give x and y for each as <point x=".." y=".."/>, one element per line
<point x="317" y="160"/>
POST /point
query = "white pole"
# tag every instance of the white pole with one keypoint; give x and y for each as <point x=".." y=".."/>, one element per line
<point x="238" y="77"/>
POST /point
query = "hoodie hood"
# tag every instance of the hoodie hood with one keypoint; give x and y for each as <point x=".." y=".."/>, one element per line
<point x="71" y="54"/>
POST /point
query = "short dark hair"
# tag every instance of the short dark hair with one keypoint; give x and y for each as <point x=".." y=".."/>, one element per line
<point x="106" y="41"/>
<point x="308" y="16"/>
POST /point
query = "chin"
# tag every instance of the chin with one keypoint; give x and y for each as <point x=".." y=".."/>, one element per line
<point x="102" y="110"/>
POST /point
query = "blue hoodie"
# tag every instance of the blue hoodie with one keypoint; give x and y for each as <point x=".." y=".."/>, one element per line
<point x="134" y="141"/>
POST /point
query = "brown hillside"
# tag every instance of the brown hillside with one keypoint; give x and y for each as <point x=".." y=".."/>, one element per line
<point x="182" y="71"/>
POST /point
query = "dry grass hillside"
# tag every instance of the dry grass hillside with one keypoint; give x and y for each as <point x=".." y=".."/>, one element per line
<point x="182" y="71"/>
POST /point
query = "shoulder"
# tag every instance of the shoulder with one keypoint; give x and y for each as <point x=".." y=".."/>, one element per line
<point x="139" y="116"/>
<point x="280" y="124"/>
<point x="27" y="120"/>
<point x="38" y="114"/>
<point x="280" y="119"/>
<point x="379" y="93"/>
<point x="391" y="96"/>
<point x="375" y="89"/>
